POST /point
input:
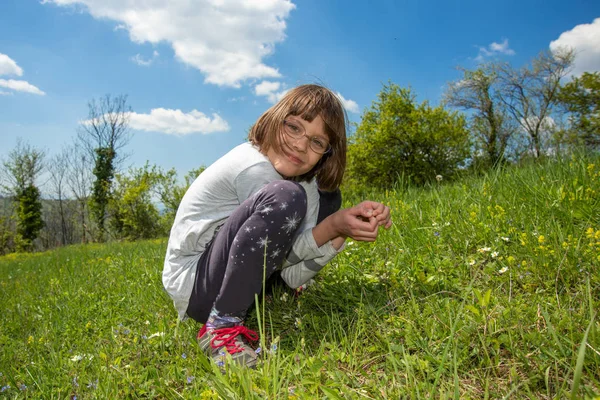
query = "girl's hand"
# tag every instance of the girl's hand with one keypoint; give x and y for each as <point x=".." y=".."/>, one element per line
<point x="362" y="221"/>
<point x="382" y="213"/>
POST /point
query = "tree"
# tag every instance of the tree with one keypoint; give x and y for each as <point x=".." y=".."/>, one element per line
<point x="398" y="138"/>
<point x="58" y="169"/>
<point x="531" y="92"/>
<point x="103" y="135"/>
<point x="489" y="122"/>
<point x="23" y="167"/>
<point x="581" y="98"/>
<point x="135" y="214"/>
<point x="79" y="180"/>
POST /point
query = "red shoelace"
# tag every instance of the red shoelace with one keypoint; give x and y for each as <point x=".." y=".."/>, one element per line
<point x="226" y="337"/>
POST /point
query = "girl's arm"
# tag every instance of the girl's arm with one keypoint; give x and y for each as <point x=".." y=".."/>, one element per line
<point x="326" y="238"/>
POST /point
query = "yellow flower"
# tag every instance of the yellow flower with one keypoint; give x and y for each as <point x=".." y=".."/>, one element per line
<point x="589" y="233"/>
<point x="541" y="239"/>
<point x="30" y="340"/>
<point x="511" y="260"/>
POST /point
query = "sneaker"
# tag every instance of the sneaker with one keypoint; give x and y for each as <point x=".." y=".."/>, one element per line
<point x="215" y="342"/>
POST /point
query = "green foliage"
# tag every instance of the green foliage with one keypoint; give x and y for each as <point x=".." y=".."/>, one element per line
<point x="581" y="97"/>
<point x="29" y="213"/>
<point x="7" y="235"/>
<point x="134" y="215"/>
<point x="104" y="172"/>
<point x="483" y="288"/>
<point x="399" y="139"/>
<point x="135" y="198"/>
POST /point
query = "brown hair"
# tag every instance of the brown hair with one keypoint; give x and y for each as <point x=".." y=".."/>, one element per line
<point x="308" y="102"/>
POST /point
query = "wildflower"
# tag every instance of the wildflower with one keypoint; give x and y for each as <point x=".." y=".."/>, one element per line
<point x="190" y="379"/>
<point x="258" y="350"/>
<point x="75" y="382"/>
<point x="505" y="239"/>
<point x="126" y="332"/>
<point x="503" y="270"/>
<point x="22" y="387"/>
<point x="436" y="233"/>
<point x="484" y="249"/>
<point x="284" y="296"/>
<point x="30" y="339"/>
<point x="4" y="388"/>
<point x="471" y="262"/>
<point x="221" y="363"/>
<point x="184" y="356"/>
<point x="510" y="260"/>
<point x="156" y="335"/>
<point x="439" y="178"/>
<point x="93" y="384"/>
<point x="298" y="322"/>
<point x="144" y="337"/>
<point x="494" y="254"/>
<point x="541" y="239"/>
<point x="274" y="347"/>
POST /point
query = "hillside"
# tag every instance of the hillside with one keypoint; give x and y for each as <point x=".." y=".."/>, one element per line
<point x="485" y="288"/>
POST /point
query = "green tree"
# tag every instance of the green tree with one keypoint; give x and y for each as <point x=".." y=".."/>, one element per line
<point x="581" y="98"/>
<point x="21" y="169"/>
<point x="29" y="212"/>
<point x="103" y="135"/>
<point x="400" y="139"/>
<point x="135" y="216"/>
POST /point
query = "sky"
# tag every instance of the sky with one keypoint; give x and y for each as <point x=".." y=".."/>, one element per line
<point x="198" y="73"/>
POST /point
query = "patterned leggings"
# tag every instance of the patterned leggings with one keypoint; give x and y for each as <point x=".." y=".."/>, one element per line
<point x="262" y="228"/>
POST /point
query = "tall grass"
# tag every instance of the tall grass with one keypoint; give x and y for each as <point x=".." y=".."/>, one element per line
<point x="484" y="288"/>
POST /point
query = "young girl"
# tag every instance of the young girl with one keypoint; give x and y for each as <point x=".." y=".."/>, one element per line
<point x="273" y="201"/>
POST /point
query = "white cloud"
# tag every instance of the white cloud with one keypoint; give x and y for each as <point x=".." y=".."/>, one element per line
<point x="270" y="91"/>
<point x="176" y="122"/>
<point x="8" y="66"/>
<point x="225" y="40"/>
<point x="585" y="40"/>
<point x="3" y="93"/>
<point x="495" y="49"/>
<point x="144" y="62"/>
<point x="20" y="86"/>
<point x="349" y="105"/>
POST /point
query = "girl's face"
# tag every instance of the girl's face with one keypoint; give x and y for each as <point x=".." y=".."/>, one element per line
<point x="295" y="157"/>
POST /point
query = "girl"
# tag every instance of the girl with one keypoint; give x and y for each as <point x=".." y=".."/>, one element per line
<point x="273" y="201"/>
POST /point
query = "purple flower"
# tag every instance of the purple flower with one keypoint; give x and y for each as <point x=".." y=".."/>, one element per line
<point x="4" y="388"/>
<point x="184" y="356"/>
<point x="23" y="386"/>
<point x="436" y="233"/>
<point x="257" y="351"/>
<point x="190" y="379"/>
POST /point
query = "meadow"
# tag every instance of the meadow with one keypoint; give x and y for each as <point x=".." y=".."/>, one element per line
<point x="483" y="288"/>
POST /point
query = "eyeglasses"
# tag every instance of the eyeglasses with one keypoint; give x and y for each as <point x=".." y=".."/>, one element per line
<point x="296" y="131"/>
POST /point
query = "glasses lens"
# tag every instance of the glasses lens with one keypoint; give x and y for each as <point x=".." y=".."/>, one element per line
<point x="292" y="129"/>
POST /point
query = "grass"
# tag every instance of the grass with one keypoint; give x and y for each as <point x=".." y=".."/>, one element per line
<point x="485" y="288"/>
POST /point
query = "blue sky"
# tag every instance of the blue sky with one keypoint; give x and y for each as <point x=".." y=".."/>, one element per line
<point x="199" y="72"/>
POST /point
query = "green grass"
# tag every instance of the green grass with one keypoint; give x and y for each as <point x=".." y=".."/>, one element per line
<point x="485" y="288"/>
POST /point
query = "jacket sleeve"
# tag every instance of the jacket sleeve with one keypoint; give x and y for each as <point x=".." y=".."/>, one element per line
<point x="305" y="259"/>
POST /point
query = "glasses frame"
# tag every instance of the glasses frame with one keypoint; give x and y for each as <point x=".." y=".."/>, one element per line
<point x="302" y="134"/>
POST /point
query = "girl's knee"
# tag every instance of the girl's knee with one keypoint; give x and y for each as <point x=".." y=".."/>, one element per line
<point x="290" y="196"/>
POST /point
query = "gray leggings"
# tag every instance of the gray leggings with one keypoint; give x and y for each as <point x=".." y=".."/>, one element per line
<point x="230" y="271"/>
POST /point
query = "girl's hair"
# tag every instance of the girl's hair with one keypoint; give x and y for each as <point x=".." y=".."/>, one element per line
<point x="308" y="102"/>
